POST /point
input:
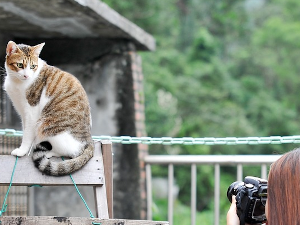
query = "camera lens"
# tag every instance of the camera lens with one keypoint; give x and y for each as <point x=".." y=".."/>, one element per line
<point x="232" y="189"/>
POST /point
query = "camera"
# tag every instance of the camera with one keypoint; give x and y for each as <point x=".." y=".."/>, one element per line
<point x="251" y="197"/>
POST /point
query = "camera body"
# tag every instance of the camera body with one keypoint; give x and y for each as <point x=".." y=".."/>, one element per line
<point x="251" y="197"/>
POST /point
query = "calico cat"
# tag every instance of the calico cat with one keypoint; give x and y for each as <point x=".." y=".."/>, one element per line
<point x="54" y="109"/>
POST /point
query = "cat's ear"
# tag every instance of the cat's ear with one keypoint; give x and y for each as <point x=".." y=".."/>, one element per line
<point x="11" y="48"/>
<point x="38" y="48"/>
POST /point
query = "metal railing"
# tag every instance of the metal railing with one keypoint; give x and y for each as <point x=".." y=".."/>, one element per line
<point x="193" y="160"/>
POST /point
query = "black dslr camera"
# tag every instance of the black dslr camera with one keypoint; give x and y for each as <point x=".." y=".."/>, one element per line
<point x="251" y="197"/>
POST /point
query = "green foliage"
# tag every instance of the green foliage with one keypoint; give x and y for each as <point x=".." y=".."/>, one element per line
<point x="182" y="214"/>
<point x="221" y="69"/>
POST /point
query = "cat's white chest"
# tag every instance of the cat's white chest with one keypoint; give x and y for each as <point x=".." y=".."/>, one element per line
<point x="17" y="94"/>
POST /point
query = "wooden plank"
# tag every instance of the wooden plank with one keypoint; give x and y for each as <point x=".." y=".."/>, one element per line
<point x="101" y="203"/>
<point x="108" y="173"/>
<point x="50" y="220"/>
<point x="92" y="174"/>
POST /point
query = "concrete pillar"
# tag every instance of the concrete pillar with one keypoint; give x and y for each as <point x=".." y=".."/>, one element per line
<point x="130" y="179"/>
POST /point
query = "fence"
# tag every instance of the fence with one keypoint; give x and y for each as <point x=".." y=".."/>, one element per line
<point x="193" y="161"/>
<point x="10" y="139"/>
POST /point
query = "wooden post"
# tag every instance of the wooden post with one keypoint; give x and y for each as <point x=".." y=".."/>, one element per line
<point x="108" y="173"/>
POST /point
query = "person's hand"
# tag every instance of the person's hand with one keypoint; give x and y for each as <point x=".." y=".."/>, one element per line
<point x="232" y="217"/>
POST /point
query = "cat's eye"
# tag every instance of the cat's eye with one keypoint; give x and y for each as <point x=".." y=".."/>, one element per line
<point x="33" y="67"/>
<point x="20" y="65"/>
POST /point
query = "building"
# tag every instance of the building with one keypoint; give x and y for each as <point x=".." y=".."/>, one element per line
<point x="98" y="46"/>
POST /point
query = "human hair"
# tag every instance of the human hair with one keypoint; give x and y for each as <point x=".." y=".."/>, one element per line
<point x="284" y="190"/>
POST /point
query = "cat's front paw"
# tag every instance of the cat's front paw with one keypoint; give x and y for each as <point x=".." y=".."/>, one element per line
<point x="19" y="152"/>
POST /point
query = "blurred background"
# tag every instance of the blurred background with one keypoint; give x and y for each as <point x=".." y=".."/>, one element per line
<point x="220" y="69"/>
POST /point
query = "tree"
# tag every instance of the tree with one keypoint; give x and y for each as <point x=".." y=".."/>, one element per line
<point x="221" y="68"/>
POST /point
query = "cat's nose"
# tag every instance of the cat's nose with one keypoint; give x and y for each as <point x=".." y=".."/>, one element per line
<point x="25" y="76"/>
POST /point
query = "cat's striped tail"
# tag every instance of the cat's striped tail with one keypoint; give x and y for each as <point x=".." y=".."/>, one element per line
<point x="55" y="166"/>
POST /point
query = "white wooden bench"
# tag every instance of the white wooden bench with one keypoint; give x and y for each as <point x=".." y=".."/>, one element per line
<point x="97" y="173"/>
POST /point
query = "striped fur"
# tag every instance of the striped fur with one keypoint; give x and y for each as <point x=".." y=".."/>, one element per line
<point x="54" y="109"/>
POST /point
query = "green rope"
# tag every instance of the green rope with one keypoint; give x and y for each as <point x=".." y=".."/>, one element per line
<point x="80" y="195"/>
<point x="4" y="205"/>
<point x="184" y="140"/>
<point x="86" y="205"/>
<point x="91" y="214"/>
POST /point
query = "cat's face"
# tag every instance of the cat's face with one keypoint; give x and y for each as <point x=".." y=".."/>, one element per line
<point x="22" y="60"/>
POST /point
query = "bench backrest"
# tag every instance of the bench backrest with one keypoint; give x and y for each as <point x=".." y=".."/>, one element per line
<point x="97" y="173"/>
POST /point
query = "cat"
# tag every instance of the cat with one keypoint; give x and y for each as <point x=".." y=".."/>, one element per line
<point x="54" y="110"/>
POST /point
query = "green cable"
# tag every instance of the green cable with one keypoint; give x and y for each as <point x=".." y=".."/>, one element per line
<point x="91" y="214"/>
<point x="293" y="139"/>
<point x="80" y="195"/>
<point x="4" y="205"/>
